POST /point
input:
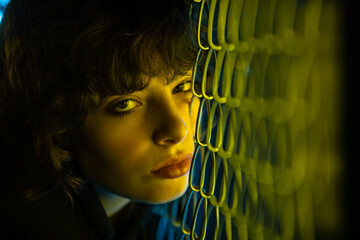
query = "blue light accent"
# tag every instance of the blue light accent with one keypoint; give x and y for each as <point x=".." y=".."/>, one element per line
<point x="3" y="3"/>
<point x="161" y="229"/>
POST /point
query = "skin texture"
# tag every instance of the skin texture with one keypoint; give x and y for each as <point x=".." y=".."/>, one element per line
<point x="118" y="152"/>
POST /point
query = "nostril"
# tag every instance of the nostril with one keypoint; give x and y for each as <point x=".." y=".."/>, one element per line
<point x="169" y="141"/>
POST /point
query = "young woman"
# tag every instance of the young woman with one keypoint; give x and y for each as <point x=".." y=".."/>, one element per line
<point x="96" y="112"/>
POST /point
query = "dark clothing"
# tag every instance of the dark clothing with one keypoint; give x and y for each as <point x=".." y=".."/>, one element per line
<point x="53" y="216"/>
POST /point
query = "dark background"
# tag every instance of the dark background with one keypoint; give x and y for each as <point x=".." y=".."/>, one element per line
<point x="351" y="119"/>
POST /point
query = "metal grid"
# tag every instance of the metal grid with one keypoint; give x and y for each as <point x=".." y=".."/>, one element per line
<point x="265" y="153"/>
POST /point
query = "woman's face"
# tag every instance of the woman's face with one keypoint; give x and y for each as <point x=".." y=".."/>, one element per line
<point x="140" y="145"/>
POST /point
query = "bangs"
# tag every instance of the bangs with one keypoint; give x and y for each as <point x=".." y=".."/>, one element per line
<point x="118" y="57"/>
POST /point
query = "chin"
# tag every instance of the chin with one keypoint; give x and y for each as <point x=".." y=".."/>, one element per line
<point x="165" y="195"/>
<point x="172" y="198"/>
<point x="163" y="200"/>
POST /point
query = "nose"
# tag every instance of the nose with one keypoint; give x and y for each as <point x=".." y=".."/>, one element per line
<point x="171" y="128"/>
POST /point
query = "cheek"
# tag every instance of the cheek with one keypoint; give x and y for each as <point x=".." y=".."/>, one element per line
<point x="116" y="144"/>
<point x="107" y="149"/>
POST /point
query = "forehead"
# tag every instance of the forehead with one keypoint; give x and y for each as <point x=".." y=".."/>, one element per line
<point x="145" y="80"/>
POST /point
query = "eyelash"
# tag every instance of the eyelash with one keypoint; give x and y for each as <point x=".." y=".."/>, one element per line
<point x="124" y="113"/>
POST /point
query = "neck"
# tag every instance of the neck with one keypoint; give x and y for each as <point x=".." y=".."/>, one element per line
<point x="112" y="203"/>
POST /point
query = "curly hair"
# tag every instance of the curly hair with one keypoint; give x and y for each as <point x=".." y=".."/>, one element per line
<point x="58" y="59"/>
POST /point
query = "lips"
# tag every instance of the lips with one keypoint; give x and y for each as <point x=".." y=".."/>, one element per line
<point x="174" y="167"/>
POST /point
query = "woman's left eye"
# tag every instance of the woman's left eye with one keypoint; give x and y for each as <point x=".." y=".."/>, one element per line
<point x="183" y="87"/>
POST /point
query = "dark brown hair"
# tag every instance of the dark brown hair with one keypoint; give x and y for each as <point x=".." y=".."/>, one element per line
<point x="58" y="59"/>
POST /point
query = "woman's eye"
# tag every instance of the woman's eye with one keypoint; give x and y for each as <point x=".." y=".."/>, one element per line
<point x="183" y="87"/>
<point x="125" y="106"/>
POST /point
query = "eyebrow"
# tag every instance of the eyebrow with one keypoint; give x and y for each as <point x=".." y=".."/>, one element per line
<point x="178" y="78"/>
<point x="146" y="83"/>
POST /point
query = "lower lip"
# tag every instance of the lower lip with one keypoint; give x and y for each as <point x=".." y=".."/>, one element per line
<point x="174" y="171"/>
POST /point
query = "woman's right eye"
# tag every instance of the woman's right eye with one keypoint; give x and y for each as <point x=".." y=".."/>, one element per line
<point x="124" y="106"/>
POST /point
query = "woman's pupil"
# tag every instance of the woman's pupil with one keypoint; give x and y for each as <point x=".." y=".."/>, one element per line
<point x="123" y="104"/>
